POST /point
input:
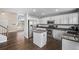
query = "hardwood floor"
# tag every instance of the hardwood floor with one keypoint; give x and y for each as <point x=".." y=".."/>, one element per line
<point x="16" y="41"/>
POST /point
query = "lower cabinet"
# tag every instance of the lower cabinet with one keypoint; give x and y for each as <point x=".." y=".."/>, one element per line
<point x="57" y="34"/>
<point x="69" y="45"/>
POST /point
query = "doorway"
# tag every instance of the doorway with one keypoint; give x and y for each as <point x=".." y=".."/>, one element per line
<point x="20" y="23"/>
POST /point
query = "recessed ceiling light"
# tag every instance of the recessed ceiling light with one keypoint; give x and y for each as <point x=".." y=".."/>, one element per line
<point x="2" y="13"/>
<point x="56" y="9"/>
<point x="34" y="10"/>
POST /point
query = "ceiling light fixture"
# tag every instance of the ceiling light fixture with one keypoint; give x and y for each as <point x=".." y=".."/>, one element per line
<point x="34" y="10"/>
<point x="56" y="10"/>
<point x="2" y="13"/>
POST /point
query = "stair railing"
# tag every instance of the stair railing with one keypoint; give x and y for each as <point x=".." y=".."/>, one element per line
<point x="4" y="30"/>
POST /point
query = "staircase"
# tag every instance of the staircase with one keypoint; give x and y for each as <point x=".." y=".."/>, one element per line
<point x="3" y="33"/>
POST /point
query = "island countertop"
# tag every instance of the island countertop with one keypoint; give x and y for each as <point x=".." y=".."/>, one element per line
<point x="39" y="31"/>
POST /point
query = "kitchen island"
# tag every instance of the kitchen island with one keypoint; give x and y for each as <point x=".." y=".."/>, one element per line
<point x="40" y="37"/>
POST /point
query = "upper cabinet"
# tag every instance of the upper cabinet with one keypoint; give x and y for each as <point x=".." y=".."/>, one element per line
<point x="56" y="18"/>
<point x="71" y="18"/>
<point x="75" y="18"/>
<point x="67" y="19"/>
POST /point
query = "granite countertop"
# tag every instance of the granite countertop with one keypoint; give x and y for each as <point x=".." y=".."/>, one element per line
<point x="71" y="37"/>
<point x="39" y="31"/>
<point x="63" y="29"/>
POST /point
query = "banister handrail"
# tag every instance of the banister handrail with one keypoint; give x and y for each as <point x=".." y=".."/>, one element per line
<point x="4" y="27"/>
<point x="6" y="30"/>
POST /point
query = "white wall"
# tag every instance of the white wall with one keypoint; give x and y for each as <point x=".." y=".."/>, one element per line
<point x="12" y="21"/>
<point x="8" y="19"/>
<point x="3" y="20"/>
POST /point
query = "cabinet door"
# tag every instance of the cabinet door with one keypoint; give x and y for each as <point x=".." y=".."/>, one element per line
<point x="70" y="19"/>
<point x="36" y="40"/>
<point x="60" y="19"/>
<point x="57" y="34"/>
<point x="65" y="19"/>
<point x="57" y="19"/>
<point x="69" y="45"/>
<point x="75" y="18"/>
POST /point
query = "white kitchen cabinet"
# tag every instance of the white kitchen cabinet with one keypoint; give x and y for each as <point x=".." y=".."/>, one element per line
<point x="57" y="19"/>
<point x="75" y="18"/>
<point x="65" y="19"/>
<point x="61" y="19"/>
<point x="70" y="19"/>
<point x="57" y="34"/>
<point x="40" y="38"/>
<point x="69" y="45"/>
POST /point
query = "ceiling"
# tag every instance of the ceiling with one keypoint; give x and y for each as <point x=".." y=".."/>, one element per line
<point x="37" y="12"/>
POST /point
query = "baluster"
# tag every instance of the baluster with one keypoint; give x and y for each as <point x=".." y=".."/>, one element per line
<point x="4" y="30"/>
<point x="7" y="31"/>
